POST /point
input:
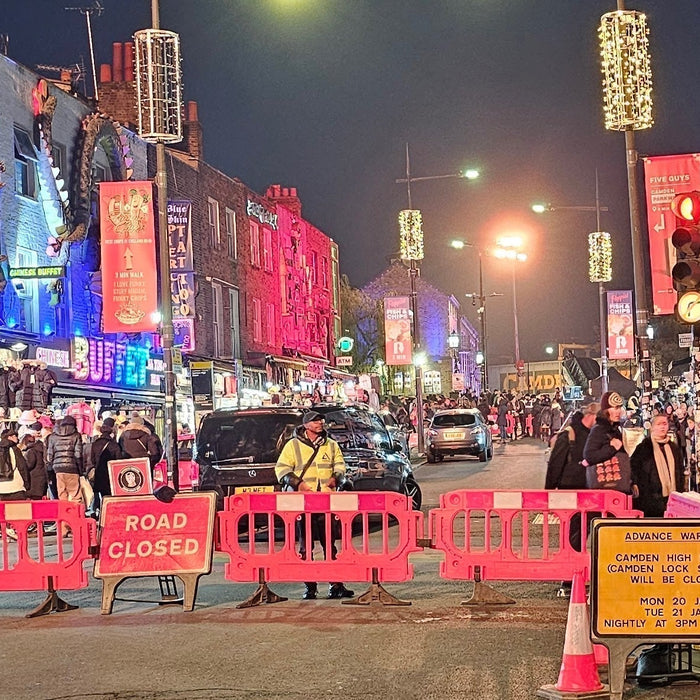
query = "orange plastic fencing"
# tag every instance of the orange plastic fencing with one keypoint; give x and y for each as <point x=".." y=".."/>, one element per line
<point x="518" y="535"/>
<point x="277" y="516"/>
<point x="35" y="561"/>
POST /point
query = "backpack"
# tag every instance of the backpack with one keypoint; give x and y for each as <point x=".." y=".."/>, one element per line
<point x="7" y="464"/>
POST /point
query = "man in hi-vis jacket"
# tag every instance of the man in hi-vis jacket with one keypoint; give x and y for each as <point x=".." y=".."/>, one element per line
<point x="311" y="461"/>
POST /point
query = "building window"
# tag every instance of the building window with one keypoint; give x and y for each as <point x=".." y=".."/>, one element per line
<point x="267" y="250"/>
<point x="314" y="268"/>
<point x="26" y="290"/>
<point x="231" y="236"/>
<point x="257" y="321"/>
<point x="271" y="324"/>
<point x="254" y="244"/>
<point x="218" y="319"/>
<point x="235" y="322"/>
<point x="324" y="272"/>
<point x="25" y="165"/>
<point x="214" y="230"/>
<point x="58" y="156"/>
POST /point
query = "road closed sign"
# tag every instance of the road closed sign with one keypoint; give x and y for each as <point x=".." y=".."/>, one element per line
<point x="141" y="536"/>
<point x="645" y="578"/>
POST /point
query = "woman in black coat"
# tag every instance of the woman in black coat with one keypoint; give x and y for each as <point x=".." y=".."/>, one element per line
<point x="605" y="442"/>
<point x="33" y="452"/>
<point x="103" y="449"/>
<point x="657" y="469"/>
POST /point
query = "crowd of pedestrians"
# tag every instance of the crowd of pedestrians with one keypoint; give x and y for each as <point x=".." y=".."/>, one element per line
<point x="42" y="460"/>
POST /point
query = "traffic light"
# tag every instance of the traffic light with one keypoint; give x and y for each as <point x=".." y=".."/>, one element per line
<point x="686" y="241"/>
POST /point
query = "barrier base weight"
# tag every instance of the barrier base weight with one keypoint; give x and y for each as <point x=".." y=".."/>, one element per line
<point x="376" y="594"/>
<point x="53" y="603"/>
<point x="551" y="693"/>
<point x="262" y="594"/>
<point x="483" y="594"/>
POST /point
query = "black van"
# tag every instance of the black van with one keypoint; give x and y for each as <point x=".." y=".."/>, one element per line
<point x="237" y="449"/>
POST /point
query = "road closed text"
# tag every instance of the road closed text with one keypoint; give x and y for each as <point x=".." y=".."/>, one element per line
<point x="154" y="536"/>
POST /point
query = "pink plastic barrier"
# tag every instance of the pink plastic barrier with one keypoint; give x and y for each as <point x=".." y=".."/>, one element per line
<point x="275" y="551"/>
<point x="683" y="505"/>
<point x="517" y="535"/>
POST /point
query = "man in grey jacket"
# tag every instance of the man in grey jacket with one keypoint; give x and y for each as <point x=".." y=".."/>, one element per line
<point x="64" y="454"/>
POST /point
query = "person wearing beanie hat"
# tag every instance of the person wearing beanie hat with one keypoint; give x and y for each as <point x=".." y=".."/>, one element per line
<point x="103" y="449"/>
<point x="607" y="462"/>
<point x="136" y="440"/>
<point x="312" y="461"/>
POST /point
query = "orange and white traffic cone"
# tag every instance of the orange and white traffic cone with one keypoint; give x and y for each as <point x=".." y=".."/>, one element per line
<point x="578" y="676"/>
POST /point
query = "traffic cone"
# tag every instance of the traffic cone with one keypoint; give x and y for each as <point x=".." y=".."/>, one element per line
<point x="602" y="657"/>
<point x="578" y="677"/>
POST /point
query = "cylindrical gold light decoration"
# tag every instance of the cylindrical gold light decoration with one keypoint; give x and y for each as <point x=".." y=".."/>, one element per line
<point x="599" y="257"/>
<point x="624" y="52"/>
<point x="411" y="228"/>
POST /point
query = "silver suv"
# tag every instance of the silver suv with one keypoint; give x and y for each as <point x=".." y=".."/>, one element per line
<point x="458" y="431"/>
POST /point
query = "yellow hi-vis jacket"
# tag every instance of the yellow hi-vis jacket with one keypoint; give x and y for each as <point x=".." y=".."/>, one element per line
<point x="297" y="452"/>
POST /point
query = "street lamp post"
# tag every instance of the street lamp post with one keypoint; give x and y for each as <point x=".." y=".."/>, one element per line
<point x="412" y="251"/>
<point x="599" y="268"/>
<point x="509" y="248"/>
<point x="159" y="103"/>
<point x="481" y="311"/>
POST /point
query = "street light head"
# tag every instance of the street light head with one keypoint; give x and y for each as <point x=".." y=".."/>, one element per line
<point x="521" y="257"/>
<point x="510" y="241"/>
<point x="458" y="244"/>
<point x="470" y="173"/>
<point x="540" y="208"/>
<point x="419" y="359"/>
<point x="549" y="349"/>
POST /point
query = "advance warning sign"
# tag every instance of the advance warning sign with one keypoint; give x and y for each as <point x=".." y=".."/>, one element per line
<point x="645" y="578"/>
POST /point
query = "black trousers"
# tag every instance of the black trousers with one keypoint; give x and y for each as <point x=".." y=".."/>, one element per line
<point x="318" y="534"/>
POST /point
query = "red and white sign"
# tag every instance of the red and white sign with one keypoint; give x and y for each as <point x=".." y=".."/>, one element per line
<point x="128" y="249"/>
<point x="620" y="325"/>
<point x="397" y="331"/>
<point x="130" y="477"/>
<point x="142" y="536"/>
<point x="665" y="177"/>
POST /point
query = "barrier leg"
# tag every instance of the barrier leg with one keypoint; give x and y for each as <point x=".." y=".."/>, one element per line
<point x="483" y="594"/>
<point x="168" y="591"/>
<point x="376" y="594"/>
<point x="52" y="603"/>
<point x="262" y="594"/>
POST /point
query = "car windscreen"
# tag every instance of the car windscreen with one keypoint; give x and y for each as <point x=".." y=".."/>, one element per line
<point x="252" y="438"/>
<point x="354" y="429"/>
<point x="454" y="420"/>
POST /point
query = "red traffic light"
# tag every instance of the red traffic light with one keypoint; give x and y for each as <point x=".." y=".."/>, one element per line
<point x="686" y="206"/>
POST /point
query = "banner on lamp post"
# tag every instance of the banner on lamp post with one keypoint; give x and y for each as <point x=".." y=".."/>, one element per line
<point x="397" y="331"/>
<point x="664" y="178"/>
<point x="620" y="325"/>
<point x="128" y="249"/>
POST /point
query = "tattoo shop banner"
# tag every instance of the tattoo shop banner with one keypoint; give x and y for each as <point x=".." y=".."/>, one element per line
<point x="664" y="178"/>
<point x="397" y="331"/>
<point x="620" y="325"/>
<point x="182" y="289"/>
<point x="128" y="249"/>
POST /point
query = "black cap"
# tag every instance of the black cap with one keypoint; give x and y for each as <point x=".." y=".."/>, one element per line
<point x="311" y="416"/>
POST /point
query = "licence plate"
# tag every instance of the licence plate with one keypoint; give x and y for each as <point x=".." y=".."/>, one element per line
<point x="254" y="489"/>
<point x="454" y="435"/>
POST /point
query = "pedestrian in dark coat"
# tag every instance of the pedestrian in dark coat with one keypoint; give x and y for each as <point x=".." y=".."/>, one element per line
<point x="657" y="470"/>
<point x="33" y="452"/>
<point x="605" y="441"/>
<point x="103" y="449"/>
<point x="14" y="489"/>
<point x="138" y="441"/>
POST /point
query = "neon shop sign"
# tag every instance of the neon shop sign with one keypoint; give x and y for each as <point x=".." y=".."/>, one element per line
<point x="111" y="362"/>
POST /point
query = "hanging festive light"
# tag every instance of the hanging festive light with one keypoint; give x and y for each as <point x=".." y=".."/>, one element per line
<point x="624" y="52"/>
<point x="599" y="257"/>
<point x="411" y="229"/>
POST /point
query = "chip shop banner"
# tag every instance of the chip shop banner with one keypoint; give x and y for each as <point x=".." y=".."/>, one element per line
<point x="665" y="177"/>
<point x="397" y="330"/>
<point x="620" y="325"/>
<point x="129" y="273"/>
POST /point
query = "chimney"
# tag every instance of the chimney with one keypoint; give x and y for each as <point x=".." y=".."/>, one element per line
<point x="105" y="73"/>
<point x="193" y="132"/>
<point x="286" y="196"/>
<point x="117" y="64"/>
<point x="129" y="62"/>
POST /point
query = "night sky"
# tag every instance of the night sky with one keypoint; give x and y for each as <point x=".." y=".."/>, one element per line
<point x="323" y="95"/>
